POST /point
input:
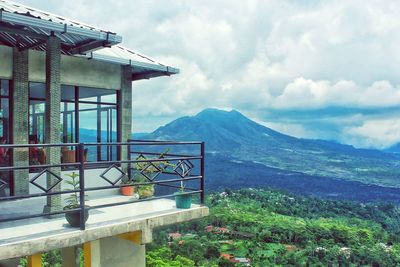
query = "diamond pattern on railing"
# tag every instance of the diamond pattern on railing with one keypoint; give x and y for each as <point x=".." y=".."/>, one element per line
<point x="152" y="171"/>
<point x="109" y="170"/>
<point x="183" y="168"/>
<point x="45" y="171"/>
<point x="3" y="184"/>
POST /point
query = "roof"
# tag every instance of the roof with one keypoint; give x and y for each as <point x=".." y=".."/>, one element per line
<point x="143" y="67"/>
<point x="28" y="28"/>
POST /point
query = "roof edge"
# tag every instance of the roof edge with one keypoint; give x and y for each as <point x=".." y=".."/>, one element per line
<point x="165" y="70"/>
<point x="25" y="20"/>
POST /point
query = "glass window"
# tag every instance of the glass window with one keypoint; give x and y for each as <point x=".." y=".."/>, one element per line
<point x="87" y="94"/>
<point x="37" y="121"/>
<point x="98" y="124"/>
<point x="67" y="121"/>
<point x="5" y="178"/>
<point x="37" y="90"/>
<point x="67" y="93"/>
<point x="4" y="87"/>
<point x="97" y="117"/>
<point x="37" y="108"/>
<point x="4" y="110"/>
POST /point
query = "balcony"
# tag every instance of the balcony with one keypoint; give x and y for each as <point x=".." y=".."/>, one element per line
<point x="34" y="221"/>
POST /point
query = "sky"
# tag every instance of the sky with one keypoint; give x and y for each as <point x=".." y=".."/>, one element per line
<point x="312" y="69"/>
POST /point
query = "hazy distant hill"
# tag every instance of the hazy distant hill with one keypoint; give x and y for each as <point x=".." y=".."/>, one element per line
<point x="394" y="149"/>
<point x="232" y="135"/>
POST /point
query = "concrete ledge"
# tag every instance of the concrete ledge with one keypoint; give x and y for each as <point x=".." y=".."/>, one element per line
<point x="144" y="216"/>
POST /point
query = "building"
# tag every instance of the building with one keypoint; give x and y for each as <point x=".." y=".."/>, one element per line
<point x="65" y="107"/>
<point x="238" y="260"/>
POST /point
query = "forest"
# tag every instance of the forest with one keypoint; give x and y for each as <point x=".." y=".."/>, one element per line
<point x="261" y="227"/>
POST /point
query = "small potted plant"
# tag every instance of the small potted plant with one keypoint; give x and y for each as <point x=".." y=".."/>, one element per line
<point x="128" y="189"/>
<point x="73" y="217"/>
<point x="144" y="170"/>
<point x="145" y="191"/>
<point x="182" y="199"/>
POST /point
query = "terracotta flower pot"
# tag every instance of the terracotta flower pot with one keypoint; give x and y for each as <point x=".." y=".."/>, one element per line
<point x="127" y="190"/>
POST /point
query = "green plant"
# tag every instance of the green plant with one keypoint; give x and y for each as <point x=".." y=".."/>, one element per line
<point x="73" y="199"/>
<point x="145" y="168"/>
<point x="181" y="188"/>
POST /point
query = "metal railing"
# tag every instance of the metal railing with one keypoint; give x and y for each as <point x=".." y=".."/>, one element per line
<point x="180" y="163"/>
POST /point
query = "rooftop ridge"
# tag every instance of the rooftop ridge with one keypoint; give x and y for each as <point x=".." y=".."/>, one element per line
<point x="50" y="15"/>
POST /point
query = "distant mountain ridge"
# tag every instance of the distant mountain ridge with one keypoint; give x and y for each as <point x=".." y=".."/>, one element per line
<point x="393" y="149"/>
<point x="231" y="134"/>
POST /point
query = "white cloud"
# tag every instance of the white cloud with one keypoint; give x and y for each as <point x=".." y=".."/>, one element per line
<point x="292" y="129"/>
<point x="308" y="94"/>
<point x="256" y="55"/>
<point x="375" y="133"/>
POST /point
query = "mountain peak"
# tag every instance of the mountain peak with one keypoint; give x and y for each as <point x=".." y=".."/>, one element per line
<point x="218" y="114"/>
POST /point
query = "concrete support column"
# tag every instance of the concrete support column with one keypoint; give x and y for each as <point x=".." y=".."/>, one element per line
<point x="20" y="125"/>
<point x="52" y="117"/>
<point x="70" y="256"/>
<point x="125" y="110"/>
<point x="118" y="251"/>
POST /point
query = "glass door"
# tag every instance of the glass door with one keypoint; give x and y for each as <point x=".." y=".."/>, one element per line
<point x="108" y="132"/>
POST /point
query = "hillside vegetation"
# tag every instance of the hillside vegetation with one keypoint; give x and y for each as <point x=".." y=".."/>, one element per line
<point x="271" y="228"/>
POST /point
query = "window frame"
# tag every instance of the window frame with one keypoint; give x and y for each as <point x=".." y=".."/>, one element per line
<point x="76" y="101"/>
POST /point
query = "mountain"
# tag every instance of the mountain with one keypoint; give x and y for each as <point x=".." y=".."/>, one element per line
<point x="231" y="135"/>
<point x="393" y="149"/>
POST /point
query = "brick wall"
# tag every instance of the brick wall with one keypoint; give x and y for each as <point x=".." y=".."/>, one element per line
<point x="52" y="117"/>
<point x="19" y="125"/>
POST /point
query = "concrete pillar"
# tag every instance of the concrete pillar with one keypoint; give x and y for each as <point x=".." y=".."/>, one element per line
<point x="125" y="110"/>
<point x="70" y="256"/>
<point x="20" y="120"/>
<point x="35" y="260"/>
<point x="52" y="117"/>
<point x="118" y="251"/>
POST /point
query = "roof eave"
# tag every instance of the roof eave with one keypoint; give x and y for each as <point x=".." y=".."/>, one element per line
<point x="62" y="28"/>
<point x="151" y="70"/>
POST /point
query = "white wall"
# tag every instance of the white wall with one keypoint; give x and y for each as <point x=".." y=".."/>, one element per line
<point x="92" y="179"/>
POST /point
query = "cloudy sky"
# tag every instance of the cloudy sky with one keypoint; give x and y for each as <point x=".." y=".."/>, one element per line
<point x="314" y="69"/>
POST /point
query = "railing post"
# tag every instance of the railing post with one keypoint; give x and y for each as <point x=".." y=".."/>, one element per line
<point x="81" y="149"/>
<point x="129" y="164"/>
<point x="202" y="172"/>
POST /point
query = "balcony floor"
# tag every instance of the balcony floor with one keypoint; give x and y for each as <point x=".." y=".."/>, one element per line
<point x="26" y="237"/>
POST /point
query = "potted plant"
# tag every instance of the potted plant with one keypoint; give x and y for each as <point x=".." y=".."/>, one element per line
<point x="128" y="189"/>
<point x="145" y="191"/>
<point x="144" y="170"/>
<point x="182" y="199"/>
<point x="73" y="217"/>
